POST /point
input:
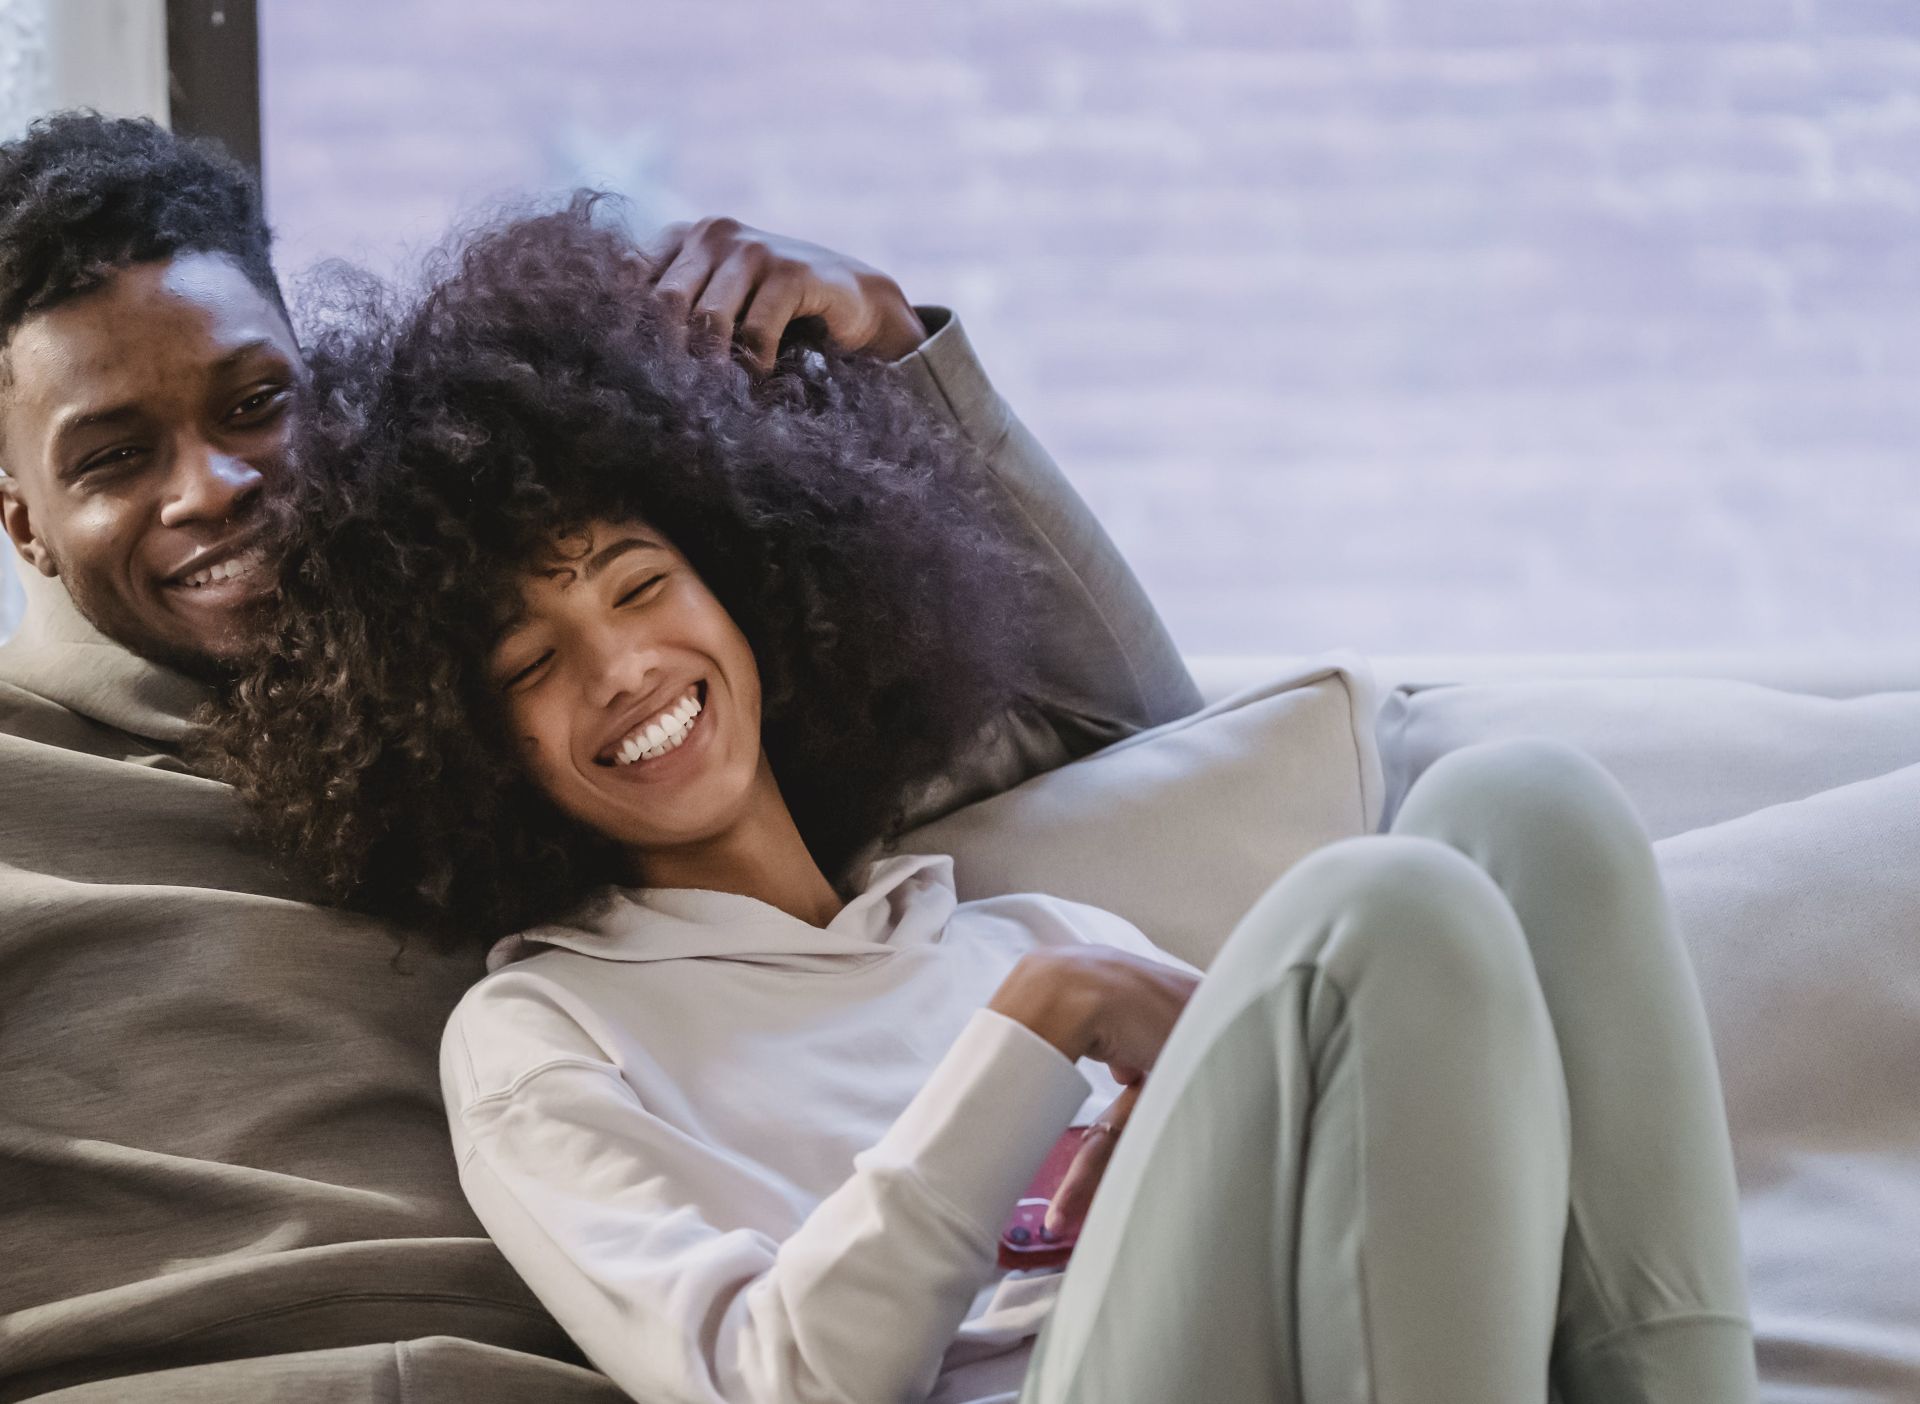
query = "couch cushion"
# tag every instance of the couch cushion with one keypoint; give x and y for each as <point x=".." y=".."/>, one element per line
<point x="1690" y="751"/>
<point x="1803" y="922"/>
<point x="1180" y="829"/>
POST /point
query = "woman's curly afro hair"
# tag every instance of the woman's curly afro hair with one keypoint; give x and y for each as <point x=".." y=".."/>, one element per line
<point x="453" y="434"/>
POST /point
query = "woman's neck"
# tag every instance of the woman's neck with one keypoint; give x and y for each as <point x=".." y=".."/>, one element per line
<point x="761" y="856"/>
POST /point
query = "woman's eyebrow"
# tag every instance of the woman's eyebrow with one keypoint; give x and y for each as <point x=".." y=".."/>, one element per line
<point x="602" y="558"/>
<point x="607" y="555"/>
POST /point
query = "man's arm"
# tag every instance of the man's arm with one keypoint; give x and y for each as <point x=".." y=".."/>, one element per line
<point x="1105" y="666"/>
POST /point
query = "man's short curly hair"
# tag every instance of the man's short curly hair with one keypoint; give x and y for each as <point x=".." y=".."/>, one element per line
<point x="529" y="388"/>
<point x="82" y="196"/>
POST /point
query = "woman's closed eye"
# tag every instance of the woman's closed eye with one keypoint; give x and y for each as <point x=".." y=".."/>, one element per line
<point x="515" y="674"/>
<point x="511" y="680"/>
<point x="638" y="590"/>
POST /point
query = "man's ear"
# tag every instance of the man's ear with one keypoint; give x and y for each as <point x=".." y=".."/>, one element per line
<point x="18" y="520"/>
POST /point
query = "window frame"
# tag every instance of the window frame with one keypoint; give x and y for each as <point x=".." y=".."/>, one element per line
<point x="213" y="74"/>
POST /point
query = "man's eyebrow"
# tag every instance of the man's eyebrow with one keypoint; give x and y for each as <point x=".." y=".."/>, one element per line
<point x="72" y="423"/>
<point x="244" y="350"/>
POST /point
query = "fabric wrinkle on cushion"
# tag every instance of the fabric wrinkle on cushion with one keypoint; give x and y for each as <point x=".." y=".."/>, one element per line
<point x="1689" y="751"/>
<point x="1801" y="921"/>
<point x="1179" y="829"/>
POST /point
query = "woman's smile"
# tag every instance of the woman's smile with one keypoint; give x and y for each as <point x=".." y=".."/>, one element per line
<point x="639" y="758"/>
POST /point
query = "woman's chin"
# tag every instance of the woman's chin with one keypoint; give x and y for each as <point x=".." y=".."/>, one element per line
<point x="644" y="818"/>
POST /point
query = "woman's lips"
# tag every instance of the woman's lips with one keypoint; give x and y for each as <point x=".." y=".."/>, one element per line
<point x="674" y="761"/>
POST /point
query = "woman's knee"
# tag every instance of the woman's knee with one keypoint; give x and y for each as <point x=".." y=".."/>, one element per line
<point x="1389" y="912"/>
<point x="1540" y="802"/>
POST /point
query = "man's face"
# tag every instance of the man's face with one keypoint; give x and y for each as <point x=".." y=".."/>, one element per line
<point x="138" y="425"/>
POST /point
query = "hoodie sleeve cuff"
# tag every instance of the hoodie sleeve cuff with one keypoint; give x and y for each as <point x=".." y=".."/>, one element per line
<point x="945" y="373"/>
<point x="976" y="1132"/>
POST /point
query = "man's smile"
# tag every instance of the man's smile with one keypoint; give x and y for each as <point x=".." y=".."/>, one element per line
<point x="219" y="577"/>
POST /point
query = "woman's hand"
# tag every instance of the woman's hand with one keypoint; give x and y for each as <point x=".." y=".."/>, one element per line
<point x="1092" y="1001"/>
<point x="1096" y="1002"/>
<point x="737" y="284"/>
<point x="1075" y="1192"/>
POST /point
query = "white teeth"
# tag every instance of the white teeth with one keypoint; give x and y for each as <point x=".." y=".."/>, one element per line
<point x="224" y="570"/>
<point x="662" y="734"/>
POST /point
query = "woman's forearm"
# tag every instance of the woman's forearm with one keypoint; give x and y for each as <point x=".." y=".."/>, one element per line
<point x="1045" y="996"/>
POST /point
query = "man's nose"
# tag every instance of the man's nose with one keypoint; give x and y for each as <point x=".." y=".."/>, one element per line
<point x="209" y="486"/>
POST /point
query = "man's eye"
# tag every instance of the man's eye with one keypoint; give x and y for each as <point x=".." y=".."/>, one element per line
<point x="112" y="458"/>
<point x="640" y="588"/>
<point x="260" y="403"/>
<point x="526" y="673"/>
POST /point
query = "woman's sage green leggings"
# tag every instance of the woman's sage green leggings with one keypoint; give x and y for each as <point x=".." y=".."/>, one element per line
<point x="1441" y="1125"/>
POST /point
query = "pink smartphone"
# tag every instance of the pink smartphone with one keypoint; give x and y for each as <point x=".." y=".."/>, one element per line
<point x="1023" y="1242"/>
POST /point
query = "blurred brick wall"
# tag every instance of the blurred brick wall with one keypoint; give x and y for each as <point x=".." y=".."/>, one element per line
<point x="1406" y="324"/>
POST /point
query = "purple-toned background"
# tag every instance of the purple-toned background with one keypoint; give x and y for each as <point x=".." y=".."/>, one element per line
<point x="1406" y="324"/>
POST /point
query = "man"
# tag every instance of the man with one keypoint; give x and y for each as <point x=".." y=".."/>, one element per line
<point x="224" y="1172"/>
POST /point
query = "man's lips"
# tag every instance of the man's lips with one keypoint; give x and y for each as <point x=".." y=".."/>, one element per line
<point x="219" y="581"/>
<point x="208" y="557"/>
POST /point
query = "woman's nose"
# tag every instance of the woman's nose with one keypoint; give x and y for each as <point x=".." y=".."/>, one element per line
<point x="620" y="668"/>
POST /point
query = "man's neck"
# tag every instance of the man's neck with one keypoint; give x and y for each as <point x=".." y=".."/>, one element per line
<point x="762" y="856"/>
<point x="60" y="656"/>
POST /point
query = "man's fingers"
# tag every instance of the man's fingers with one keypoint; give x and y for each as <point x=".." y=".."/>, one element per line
<point x="720" y="303"/>
<point x="685" y="279"/>
<point x="774" y="303"/>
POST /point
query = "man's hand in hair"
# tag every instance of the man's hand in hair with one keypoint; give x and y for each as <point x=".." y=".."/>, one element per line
<point x="740" y="285"/>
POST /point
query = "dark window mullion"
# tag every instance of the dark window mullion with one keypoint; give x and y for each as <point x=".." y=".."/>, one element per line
<point x="213" y="71"/>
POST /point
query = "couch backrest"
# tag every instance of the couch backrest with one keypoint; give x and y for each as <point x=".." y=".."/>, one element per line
<point x="1822" y="672"/>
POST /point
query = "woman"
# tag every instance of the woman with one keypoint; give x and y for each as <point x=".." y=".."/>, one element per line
<point x="611" y="657"/>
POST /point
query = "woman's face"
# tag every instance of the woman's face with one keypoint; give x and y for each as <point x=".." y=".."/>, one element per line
<point x="633" y="698"/>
